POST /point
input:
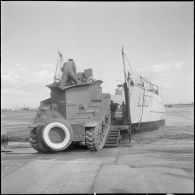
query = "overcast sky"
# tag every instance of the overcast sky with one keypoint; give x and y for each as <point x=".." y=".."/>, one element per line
<point x="157" y="37"/>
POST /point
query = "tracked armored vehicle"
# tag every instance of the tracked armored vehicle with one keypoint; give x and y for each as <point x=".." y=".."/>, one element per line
<point x="78" y="113"/>
<point x="81" y="113"/>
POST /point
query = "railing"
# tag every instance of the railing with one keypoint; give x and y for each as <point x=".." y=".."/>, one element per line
<point x="149" y="86"/>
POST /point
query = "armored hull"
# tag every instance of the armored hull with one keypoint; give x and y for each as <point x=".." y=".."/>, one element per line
<point x="78" y="113"/>
<point x="81" y="113"/>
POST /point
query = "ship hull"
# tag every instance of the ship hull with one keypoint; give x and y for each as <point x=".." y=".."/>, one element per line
<point x="146" y="106"/>
<point x="147" y="111"/>
<point x="147" y="126"/>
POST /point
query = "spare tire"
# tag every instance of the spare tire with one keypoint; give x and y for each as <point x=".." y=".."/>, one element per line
<point x="53" y="137"/>
<point x="57" y="136"/>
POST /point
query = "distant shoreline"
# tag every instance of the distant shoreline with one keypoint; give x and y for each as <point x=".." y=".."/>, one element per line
<point x="9" y="109"/>
<point x="177" y="105"/>
<point x="33" y="109"/>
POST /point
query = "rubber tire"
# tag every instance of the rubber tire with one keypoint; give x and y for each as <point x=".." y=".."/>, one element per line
<point x="60" y="146"/>
<point x="92" y="136"/>
<point x="39" y="139"/>
<point x="35" y="141"/>
<point x="91" y="139"/>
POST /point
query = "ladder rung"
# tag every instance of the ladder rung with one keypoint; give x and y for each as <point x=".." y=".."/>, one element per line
<point x="111" y="141"/>
<point x="114" y="132"/>
<point x="112" y="138"/>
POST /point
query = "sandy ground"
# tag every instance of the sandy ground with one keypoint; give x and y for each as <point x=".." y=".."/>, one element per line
<point x="143" y="168"/>
<point x="160" y="161"/>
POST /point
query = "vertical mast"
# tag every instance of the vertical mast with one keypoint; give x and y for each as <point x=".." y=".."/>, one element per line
<point x="127" y="98"/>
<point x="124" y="65"/>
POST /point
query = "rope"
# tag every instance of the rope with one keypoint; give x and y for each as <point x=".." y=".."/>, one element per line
<point x="141" y="113"/>
<point x="128" y="63"/>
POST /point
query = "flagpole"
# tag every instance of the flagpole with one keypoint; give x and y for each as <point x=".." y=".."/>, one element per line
<point x="59" y="61"/>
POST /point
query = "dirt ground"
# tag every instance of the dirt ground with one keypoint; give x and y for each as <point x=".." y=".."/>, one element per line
<point x="160" y="161"/>
<point x="135" y="168"/>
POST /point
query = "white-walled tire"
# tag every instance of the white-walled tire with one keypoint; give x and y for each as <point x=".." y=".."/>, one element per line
<point x="55" y="136"/>
<point x="60" y="131"/>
